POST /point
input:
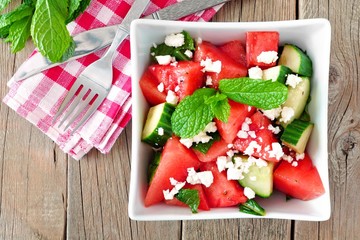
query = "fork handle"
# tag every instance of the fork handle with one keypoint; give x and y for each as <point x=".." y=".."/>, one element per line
<point x="121" y="34"/>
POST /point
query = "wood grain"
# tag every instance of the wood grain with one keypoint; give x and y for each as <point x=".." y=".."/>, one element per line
<point x="44" y="194"/>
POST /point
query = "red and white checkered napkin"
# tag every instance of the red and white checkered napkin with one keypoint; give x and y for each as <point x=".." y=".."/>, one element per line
<point x="38" y="98"/>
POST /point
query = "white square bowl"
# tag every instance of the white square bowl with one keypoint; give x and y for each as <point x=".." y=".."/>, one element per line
<point x="312" y="35"/>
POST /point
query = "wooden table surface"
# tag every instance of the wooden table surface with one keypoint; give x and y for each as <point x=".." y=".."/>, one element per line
<point x="44" y="194"/>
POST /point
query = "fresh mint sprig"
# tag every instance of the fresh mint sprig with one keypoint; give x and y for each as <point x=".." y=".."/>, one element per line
<point x="45" y="22"/>
<point x="263" y="94"/>
<point x="194" y="112"/>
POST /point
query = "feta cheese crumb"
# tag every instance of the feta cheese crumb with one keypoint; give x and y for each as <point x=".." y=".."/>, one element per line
<point x="160" y="131"/>
<point x="272" y="113"/>
<point x="187" y="142"/>
<point x="209" y="81"/>
<point x="276" y="151"/>
<point x="164" y="59"/>
<point x="293" y="80"/>
<point x="275" y="130"/>
<point x="189" y="53"/>
<point x="252" y="134"/>
<point x="242" y="134"/>
<point x="255" y="73"/>
<point x="210" y="66"/>
<point x="294" y="164"/>
<point x="199" y="40"/>
<point x="154" y="45"/>
<point x="175" y="40"/>
<point x="160" y="87"/>
<point x="234" y="174"/>
<point x="171" y="97"/>
<point x="251" y="148"/>
<point x="221" y="163"/>
<point x="230" y="145"/>
<point x="248" y="120"/>
<point x="249" y="193"/>
<point x="200" y="137"/>
<point x="169" y="194"/>
<point x="249" y="108"/>
<point x="177" y="88"/>
<point x="286" y="114"/>
<point x="300" y="156"/>
<point x="267" y="57"/>
<point x="206" y="177"/>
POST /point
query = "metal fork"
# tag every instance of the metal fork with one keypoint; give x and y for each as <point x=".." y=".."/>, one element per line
<point x="94" y="83"/>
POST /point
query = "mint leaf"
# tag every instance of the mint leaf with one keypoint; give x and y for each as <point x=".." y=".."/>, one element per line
<point x="17" y="14"/>
<point x="178" y="52"/>
<point x="48" y="29"/>
<point x="192" y="114"/>
<point x="19" y="32"/>
<point x="219" y="106"/>
<point x="263" y="94"/>
<point x="204" y="147"/>
<point x="76" y="7"/>
<point x="190" y="197"/>
<point x="3" y="4"/>
<point x="252" y="207"/>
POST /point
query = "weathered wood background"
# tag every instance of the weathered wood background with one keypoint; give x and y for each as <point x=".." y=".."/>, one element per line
<point x="46" y="195"/>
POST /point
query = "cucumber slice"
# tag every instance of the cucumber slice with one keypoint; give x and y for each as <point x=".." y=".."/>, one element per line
<point x="259" y="179"/>
<point x="297" y="99"/>
<point x="276" y="74"/>
<point x="153" y="166"/>
<point x="296" y="59"/>
<point x="157" y="129"/>
<point x="296" y="135"/>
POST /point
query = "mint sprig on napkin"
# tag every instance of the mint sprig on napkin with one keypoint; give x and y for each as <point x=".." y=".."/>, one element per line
<point x="43" y="20"/>
<point x="194" y="112"/>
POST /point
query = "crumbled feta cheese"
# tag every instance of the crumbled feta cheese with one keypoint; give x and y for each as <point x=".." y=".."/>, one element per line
<point x="211" y="127"/>
<point x="260" y="139"/>
<point x="267" y="148"/>
<point x="255" y="73"/>
<point x="154" y="45"/>
<point x="259" y="162"/>
<point x="199" y="40"/>
<point x="210" y="66"/>
<point x="252" y="134"/>
<point x="249" y="193"/>
<point x="206" y="177"/>
<point x="276" y="151"/>
<point x="248" y="120"/>
<point x="189" y="53"/>
<point x="234" y="174"/>
<point x="293" y="80"/>
<point x="161" y="87"/>
<point x="174" y="63"/>
<point x="287" y="158"/>
<point x="242" y="134"/>
<point x="177" y="88"/>
<point x="169" y="194"/>
<point x="200" y="137"/>
<point x="209" y="81"/>
<point x="300" y="156"/>
<point x="251" y="148"/>
<point x="275" y="130"/>
<point x="272" y="113"/>
<point x="230" y="145"/>
<point x="286" y="114"/>
<point x="171" y="97"/>
<point x="164" y="59"/>
<point x="294" y="164"/>
<point x="245" y="127"/>
<point x="221" y="163"/>
<point x="175" y="40"/>
<point x="160" y="131"/>
<point x="152" y="54"/>
<point x="267" y="57"/>
<point x="187" y="142"/>
<point x="249" y="108"/>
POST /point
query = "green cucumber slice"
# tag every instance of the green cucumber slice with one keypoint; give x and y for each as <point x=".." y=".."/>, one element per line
<point x="297" y="134"/>
<point x="276" y="74"/>
<point x="296" y="59"/>
<point x="157" y="129"/>
<point x="297" y="99"/>
<point x="259" y="179"/>
<point x="153" y="166"/>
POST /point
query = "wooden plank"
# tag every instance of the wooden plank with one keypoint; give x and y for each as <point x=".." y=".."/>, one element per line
<point x="343" y="122"/>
